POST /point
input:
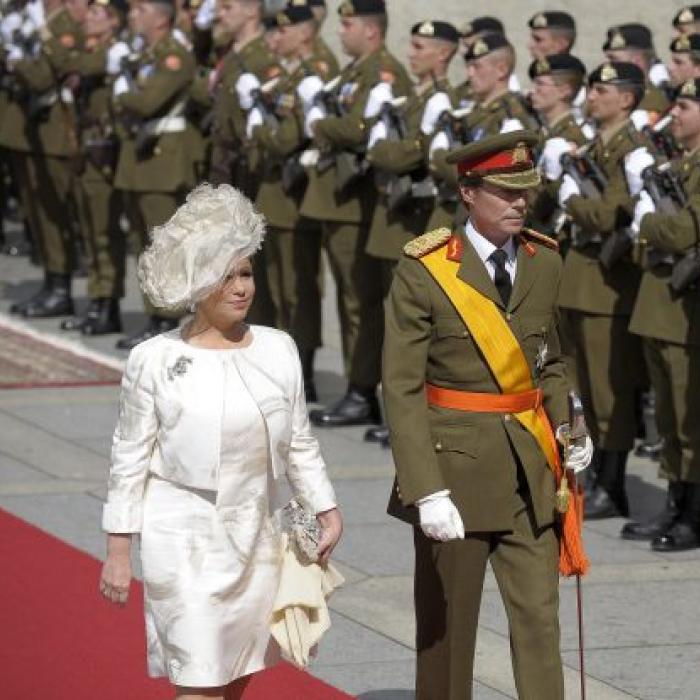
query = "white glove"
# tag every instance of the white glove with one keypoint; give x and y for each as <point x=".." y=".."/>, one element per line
<point x="313" y="115"/>
<point x="568" y="188"/>
<point x="659" y="75"/>
<point x="307" y="89"/>
<point x="579" y="452"/>
<point x="245" y="85"/>
<point x="550" y="162"/>
<point x="35" y="12"/>
<point x="114" y="57"/>
<point x="121" y="85"/>
<point x="380" y="94"/>
<point x="640" y="119"/>
<point x="434" y="107"/>
<point x="255" y="118"/>
<point x="205" y="15"/>
<point x="14" y="53"/>
<point x="9" y="25"/>
<point x="439" y="518"/>
<point x="635" y="163"/>
<point x="309" y="157"/>
<point x="440" y="142"/>
<point x="509" y="125"/>
<point x="378" y="133"/>
<point x="645" y="205"/>
<point x="514" y="83"/>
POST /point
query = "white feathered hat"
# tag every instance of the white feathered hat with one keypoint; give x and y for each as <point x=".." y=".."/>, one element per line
<point x="191" y="254"/>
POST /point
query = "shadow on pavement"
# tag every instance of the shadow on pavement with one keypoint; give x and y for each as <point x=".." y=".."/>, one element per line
<point x="645" y="498"/>
<point x="387" y="695"/>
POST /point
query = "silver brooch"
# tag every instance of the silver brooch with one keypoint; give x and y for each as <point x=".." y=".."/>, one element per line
<point x="179" y="368"/>
<point x="541" y="358"/>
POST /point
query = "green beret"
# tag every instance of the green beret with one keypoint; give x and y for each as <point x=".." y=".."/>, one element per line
<point x="687" y="15"/>
<point x="552" y="20"/>
<point x="686" y="43"/>
<point x="556" y="63"/>
<point x="485" y="44"/>
<point x="435" y="29"/>
<point x="629" y="36"/>
<point x="689" y="90"/>
<point x="358" y="8"/>
<point x="481" y="25"/>
<point x="617" y="73"/>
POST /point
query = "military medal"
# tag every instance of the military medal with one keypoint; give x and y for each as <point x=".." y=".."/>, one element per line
<point x="179" y="368"/>
<point x="541" y="358"/>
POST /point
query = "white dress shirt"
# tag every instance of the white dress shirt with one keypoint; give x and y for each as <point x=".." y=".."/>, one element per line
<point x="484" y="248"/>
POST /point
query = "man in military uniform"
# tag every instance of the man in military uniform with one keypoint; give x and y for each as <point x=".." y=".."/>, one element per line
<point x="597" y="300"/>
<point x="321" y="49"/>
<point x="470" y="332"/>
<point x="551" y="33"/>
<point x="292" y="245"/>
<point x="664" y="316"/>
<point x="685" y="59"/>
<point x="343" y="199"/>
<point x="38" y="130"/>
<point x="161" y="153"/>
<point x="687" y="20"/>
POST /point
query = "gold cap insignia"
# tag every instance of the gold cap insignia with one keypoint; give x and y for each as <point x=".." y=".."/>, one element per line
<point x="282" y="20"/>
<point x="426" y="29"/>
<point x="539" y="21"/>
<point x="688" y="89"/>
<point x="347" y="9"/>
<point x="521" y="154"/>
<point x="608" y="73"/>
<point x="480" y="48"/>
<point x="542" y="66"/>
<point x="298" y="3"/>
<point x="682" y="43"/>
<point x="617" y="41"/>
<point x="686" y="16"/>
<point x="102" y="3"/>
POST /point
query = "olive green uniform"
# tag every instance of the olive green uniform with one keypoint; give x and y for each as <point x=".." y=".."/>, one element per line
<point x="496" y="473"/>
<point x="346" y="215"/>
<point x="670" y="328"/>
<point x="155" y="179"/>
<point x="598" y="303"/>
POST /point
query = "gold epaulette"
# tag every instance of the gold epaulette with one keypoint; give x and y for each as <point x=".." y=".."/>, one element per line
<point x="427" y="243"/>
<point x="540" y="238"/>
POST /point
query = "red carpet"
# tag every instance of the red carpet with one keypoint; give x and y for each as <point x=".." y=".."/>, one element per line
<point x="59" y="640"/>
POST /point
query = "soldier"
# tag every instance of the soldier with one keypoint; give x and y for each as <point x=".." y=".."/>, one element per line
<point x="551" y="33"/>
<point x="685" y="59"/>
<point x="292" y="244"/>
<point x="321" y="49"/>
<point x="597" y="300"/>
<point x="99" y="205"/>
<point x="687" y="20"/>
<point x="343" y="200"/>
<point x="663" y="316"/>
<point x="470" y="321"/>
<point x="38" y="130"/>
<point x="161" y="153"/>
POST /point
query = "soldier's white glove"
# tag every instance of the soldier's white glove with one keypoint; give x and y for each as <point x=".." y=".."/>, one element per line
<point x="635" y="163"/>
<point x="245" y="86"/>
<point x="13" y="53"/>
<point x="307" y="90"/>
<point x="550" y="162"/>
<point x="567" y="189"/>
<point x="645" y="205"/>
<point x="312" y="116"/>
<point x="377" y="133"/>
<point x="255" y="118"/>
<point x="35" y="12"/>
<point x="514" y="83"/>
<point x="9" y="25"/>
<point x="509" y="125"/>
<point x="659" y="75"/>
<point x="440" y="142"/>
<point x="579" y="452"/>
<point x="439" y="518"/>
<point x="379" y="95"/>
<point x="205" y="15"/>
<point x="115" y="53"/>
<point x="640" y="119"/>
<point x="121" y="85"/>
<point x="434" y="107"/>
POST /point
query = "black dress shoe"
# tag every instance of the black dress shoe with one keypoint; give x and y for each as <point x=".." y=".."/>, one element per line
<point x="379" y="434"/>
<point x="57" y="303"/>
<point x="599" y="504"/>
<point x="19" y="306"/>
<point x="355" y="408"/>
<point x="76" y="323"/>
<point x="156" y="325"/>
<point x="679" y="537"/>
<point x="659" y="524"/>
<point x="649" y="450"/>
<point x="107" y="320"/>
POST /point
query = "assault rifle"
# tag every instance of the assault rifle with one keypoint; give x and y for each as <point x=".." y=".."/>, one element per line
<point x="664" y="188"/>
<point x="662" y="141"/>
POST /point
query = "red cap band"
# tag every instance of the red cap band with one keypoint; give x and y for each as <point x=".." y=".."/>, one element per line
<point x="515" y="160"/>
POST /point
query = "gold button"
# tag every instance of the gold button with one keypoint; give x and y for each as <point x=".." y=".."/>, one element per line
<point x="509" y="316"/>
<point x="438" y="446"/>
<point x="507" y="417"/>
<point x="465" y="334"/>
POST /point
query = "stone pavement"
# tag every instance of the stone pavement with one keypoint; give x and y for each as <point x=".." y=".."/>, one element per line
<point x="643" y="636"/>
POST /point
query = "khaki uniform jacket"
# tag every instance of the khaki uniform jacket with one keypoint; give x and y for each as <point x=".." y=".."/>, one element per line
<point x="656" y="313"/>
<point x="349" y="133"/>
<point x="587" y="286"/>
<point x="166" y="71"/>
<point x="475" y="455"/>
<point x="52" y="130"/>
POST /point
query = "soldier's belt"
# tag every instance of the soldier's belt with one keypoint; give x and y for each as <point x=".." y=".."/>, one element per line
<point x="483" y="403"/>
<point x="164" y="125"/>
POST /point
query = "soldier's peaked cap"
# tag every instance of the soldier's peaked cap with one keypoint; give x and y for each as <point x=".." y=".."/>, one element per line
<point x="552" y="20"/>
<point x="687" y="15"/>
<point x="505" y="160"/>
<point x="436" y="29"/>
<point x="358" y="8"/>
<point x="556" y="63"/>
<point x="485" y="44"/>
<point x="628" y="36"/>
<point x="686" y="43"/>
<point x="617" y="73"/>
<point x="480" y="25"/>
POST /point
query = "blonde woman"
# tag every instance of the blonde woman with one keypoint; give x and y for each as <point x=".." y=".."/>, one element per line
<point x="212" y="425"/>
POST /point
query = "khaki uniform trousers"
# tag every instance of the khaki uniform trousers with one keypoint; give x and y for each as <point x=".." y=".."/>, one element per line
<point x="449" y="579"/>
<point x="45" y="185"/>
<point x="609" y="373"/>
<point x="358" y="279"/>
<point x="674" y="371"/>
<point x="145" y="210"/>
<point x="99" y="208"/>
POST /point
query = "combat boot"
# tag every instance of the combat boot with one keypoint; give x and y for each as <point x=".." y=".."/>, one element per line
<point x="685" y="532"/>
<point x="155" y="326"/>
<point x="357" y="407"/>
<point x="76" y="323"/>
<point x="57" y="303"/>
<point x="608" y="498"/>
<point x="107" y="320"/>
<point x="660" y="523"/>
<point x="19" y="306"/>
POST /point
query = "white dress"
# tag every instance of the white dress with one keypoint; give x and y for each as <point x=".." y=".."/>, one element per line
<point x="211" y="556"/>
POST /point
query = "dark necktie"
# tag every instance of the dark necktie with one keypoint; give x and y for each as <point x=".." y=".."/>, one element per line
<point x="501" y="278"/>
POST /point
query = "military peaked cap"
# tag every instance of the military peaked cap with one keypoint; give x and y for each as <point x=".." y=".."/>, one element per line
<point x="686" y="43"/>
<point x="552" y="20"/>
<point x="480" y="25"/>
<point x="485" y="44"/>
<point x="628" y="36"/>
<point x="556" y="63"/>
<point x="687" y="15"/>
<point x="617" y="73"/>
<point x="358" y="8"/>
<point x="436" y="29"/>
